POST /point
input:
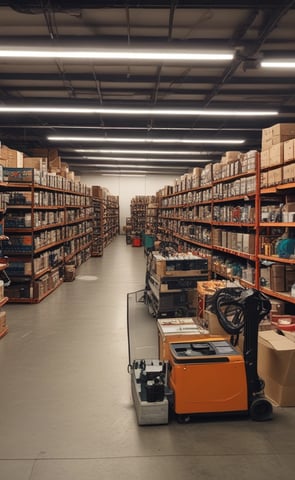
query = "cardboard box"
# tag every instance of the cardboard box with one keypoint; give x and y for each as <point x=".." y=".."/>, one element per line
<point x="290" y="336"/>
<point x="249" y="243"/>
<point x="283" y="129"/>
<point x="54" y="162"/>
<point x="277" y="278"/>
<point x="275" y="176"/>
<point x="266" y="139"/>
<point x="16" y="175"/>
<point x="289" y="150"/>
<point x="213" y="325"/>
<point x="278" y="133"/>
<point x="232" y="155"/>
<point x="96" y="191"/>
<point x="263" y="179"/>
<point x="264" y="158"/>
<point x="276" y="154"/>
<point x="288" y="212"/>
<point x="10" y="157"/>
<point x="276" y="365"/>
<point x="39" y="163"/>
<point x="288" y="173"/>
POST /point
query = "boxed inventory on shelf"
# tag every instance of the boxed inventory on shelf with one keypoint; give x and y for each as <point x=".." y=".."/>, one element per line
<point x="276" y="154"/>
<point x="278" y="133"/>
<point x="289" y="150"/>
<point x="276" y="365"/>
<point x="10" y="157"/>
<point x="39" y="163"/>
<point x="22" y="175"/>
<point x="18" y="244"/>
<point x="289" y="173"/>
<point x="185" y="265"/>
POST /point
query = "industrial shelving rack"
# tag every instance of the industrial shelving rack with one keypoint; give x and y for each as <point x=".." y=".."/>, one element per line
<point x="49" y="223"/>
<point x="222" y="219"/>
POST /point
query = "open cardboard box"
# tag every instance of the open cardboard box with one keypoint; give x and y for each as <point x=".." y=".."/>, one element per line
<point x="276" y="365"/>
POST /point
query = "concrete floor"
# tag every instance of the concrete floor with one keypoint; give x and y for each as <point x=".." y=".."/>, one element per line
<point x="65" y="402"/>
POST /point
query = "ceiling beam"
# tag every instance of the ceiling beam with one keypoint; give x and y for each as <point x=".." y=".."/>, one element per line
<point x="33" y="6"/>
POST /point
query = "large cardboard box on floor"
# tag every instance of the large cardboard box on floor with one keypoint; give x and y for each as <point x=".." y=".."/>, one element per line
<point x="213" y="324"/>
<point x="276" y="365"/>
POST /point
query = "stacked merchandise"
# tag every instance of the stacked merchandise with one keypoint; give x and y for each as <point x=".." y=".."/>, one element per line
<point x="277" y="155"/>
<point x="277" y="213"/>
<point x="171" y="281"/>
<point x="143" y="210"/>
<point x="48" y="221"/>
<point x="138" y="207"/>
<point x="128" y="230"/>
<point x="97" y="204"/>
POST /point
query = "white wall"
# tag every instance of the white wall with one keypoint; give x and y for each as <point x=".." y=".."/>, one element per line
<point x="128" y="187"/>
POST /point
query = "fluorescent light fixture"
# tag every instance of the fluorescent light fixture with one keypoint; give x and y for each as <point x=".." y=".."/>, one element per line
<point x="139" y="55"/>
<point x="144" y="140"/>
<point x="139" y="171"/>
<point x="141" y="152"/>
<point x="137" y="111"/>
<point x="136" y="159"/>
<point x="118" y="165"/>
<point x="121" y="175"/>
<point x="278" y="64"/>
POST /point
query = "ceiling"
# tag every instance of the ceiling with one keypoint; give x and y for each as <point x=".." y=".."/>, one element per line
<point x="253" y="31"/>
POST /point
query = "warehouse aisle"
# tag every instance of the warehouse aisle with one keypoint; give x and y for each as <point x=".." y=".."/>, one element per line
<point x="65" y="402"/>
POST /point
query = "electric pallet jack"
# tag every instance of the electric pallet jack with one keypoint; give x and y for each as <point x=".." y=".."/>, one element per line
<point x="208" y="375"/>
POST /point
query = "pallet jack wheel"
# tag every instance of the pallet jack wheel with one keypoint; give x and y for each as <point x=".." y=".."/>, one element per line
<point x="260" y="409"/>
<point x="183" y="418"/>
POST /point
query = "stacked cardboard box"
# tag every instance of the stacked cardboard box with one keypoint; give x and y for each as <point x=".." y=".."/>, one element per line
<point x="10" y="157"/>
<point x="276" y="364"/>
<point x="278" y="150"/>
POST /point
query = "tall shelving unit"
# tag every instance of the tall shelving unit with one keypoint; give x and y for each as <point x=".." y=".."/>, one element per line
<point x="220" y="215"/>
<point x="138" y="206"/>
<point x="235" y="219"/>
<point x="78" y="223"/>
<point x="112" y="218"/>
<point x="276" y="225"/>
<point x="97" y="243"/>
<point x="3" y="267"/>
<point x="49" y="224"/>
<point x="106" y="219"/>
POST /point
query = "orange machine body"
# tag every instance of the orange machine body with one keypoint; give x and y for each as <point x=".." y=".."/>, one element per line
<point x="207" y="376"/>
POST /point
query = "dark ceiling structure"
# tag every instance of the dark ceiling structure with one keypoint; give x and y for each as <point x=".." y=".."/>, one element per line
<point x="185" y="112"/>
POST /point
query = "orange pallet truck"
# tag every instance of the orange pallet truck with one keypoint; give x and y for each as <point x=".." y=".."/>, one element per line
<point x="210" y="375"/>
